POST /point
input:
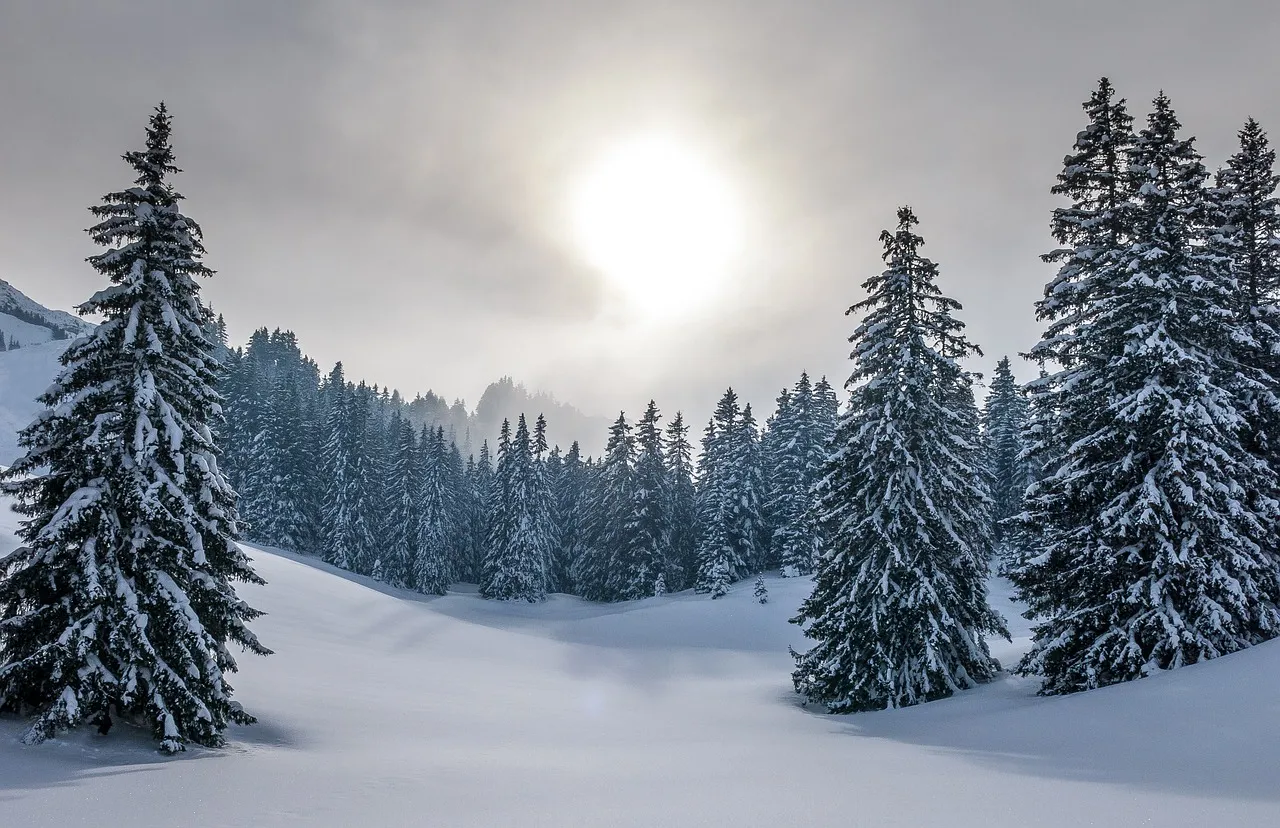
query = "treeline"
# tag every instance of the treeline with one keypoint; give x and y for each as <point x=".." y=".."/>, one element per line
<point x="1134" y="485"/>
<point x="349" y="472"/>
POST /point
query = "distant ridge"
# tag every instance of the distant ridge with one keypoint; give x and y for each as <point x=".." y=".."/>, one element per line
<point x="27" y="321"/>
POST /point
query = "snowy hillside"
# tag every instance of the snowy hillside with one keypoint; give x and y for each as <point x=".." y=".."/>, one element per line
<point x="24" y="374"/>
<point x="383" y="708"/>
<point x="29" y="322"/>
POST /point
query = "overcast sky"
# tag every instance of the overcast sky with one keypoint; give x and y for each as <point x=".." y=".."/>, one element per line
<point x="390" y="179"/>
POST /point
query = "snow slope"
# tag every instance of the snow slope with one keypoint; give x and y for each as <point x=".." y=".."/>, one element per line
<point x="383" y="708"/>
<point x="30" y="321"/>
<point x="24" y="375"/>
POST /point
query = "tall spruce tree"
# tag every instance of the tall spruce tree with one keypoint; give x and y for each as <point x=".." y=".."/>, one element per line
<point x="399" y="549"/>
<point x="1004" y="419"/>
<point x="570" y="503"/>
<point x="121" y="598"/>
<point x="606" y="568"/>
<point x="433" y="564"/>
<point x="1245" y="234"/>
<point x="682" y="560"/>
<point x="1151" y="551"/>
<point x="515" y="564"/>
<point x="899" y="610"/>
<point x="800" y="433"/>
<point x="651" y="494"/>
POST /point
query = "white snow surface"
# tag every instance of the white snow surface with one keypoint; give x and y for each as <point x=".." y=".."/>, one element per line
<point x="24" y="375"/>
<point x="385" y="708"/>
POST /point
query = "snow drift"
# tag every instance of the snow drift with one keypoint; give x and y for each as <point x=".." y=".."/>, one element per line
<point x="387" y="708"/>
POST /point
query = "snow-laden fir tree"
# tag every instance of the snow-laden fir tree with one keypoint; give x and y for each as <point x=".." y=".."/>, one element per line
<point x="729" y="485"/>
<point x="516" y="560"/>
<point x="719" y="557"/>
<point x="570" y="489"/>
<point x="121" y="598"/>
<point x="606" y="570"/>
<point x="899" y="611"/>
<point x="338" y="510"/>
<point x="1153" y="546"/>
<point x="543" y="510"/>
<point x="761" y="592"/>
<point x="1004" y="419"/>
<point x="437" y="535"/>
<point x="1245" y="234"/>
<point x="798" y="436"/>
<point x="398" y="547"/>
<point x="480" y="488"/>
<point x="682" y="561"/>
<point x="651" y="505"/>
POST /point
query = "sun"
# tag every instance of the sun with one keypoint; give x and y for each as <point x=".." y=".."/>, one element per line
<point x="659" y="222"/>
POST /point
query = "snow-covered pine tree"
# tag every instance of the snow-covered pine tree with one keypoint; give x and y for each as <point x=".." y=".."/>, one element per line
<point x="1004" y="419"/>
<point x="651" y="499"/>
<point x="515" y="567"/>
<point x="366" y="509"/>
<point x="719" y="557"/>
<point x="899" y="609"/>
<point x="746" y="482"/>
<point x="399" y="549"/>
<point x="433" y="564"/>
<point x="606" y="569"/>
<point x="775" y="443"/>
<point x="121" y="598"/>
<point x="828" y="410"/>
<point x="1245" y="234"/>
<point x="1153" y="551"/>
<point x="682" y="560"/>
<point x="570" y="490"/>
<point x="480" y="487"/>
<point x="761" y="592"/>
<point x="4" y="343"/>
<point x="801" y="436"/>
<point x="338" y="511"/>
<point x="1091" y="233"/>
<point x="542" y="497"/>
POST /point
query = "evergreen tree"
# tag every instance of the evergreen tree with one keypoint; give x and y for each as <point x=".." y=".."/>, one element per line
<point x="570" y="492"/>
<point x="515" y="566"/>
<point x="761" y="592"/>
<point x="433" y="566"/>
<point x="730" y="481"/>
<point x="400" y="548"/>
<point x="799" y="433"/>
<point x="719" y="558"/>
<point x="899" y="609"/>
<point x="1151" y="550"/>
<point x="121" y="598"/>
<point x="682" y="560"/>
<point x="651" y="499"/>
<point x="1004" y="420"/>
<point x="1245" y="234"/>
<point x="608" y="569"/>
<point x="341" y="541"/>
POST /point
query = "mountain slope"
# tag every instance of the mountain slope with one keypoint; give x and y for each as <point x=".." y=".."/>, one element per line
<point x="389" y="709"/>
<point x="30" y="322"/>
<point x="24" y="375"/>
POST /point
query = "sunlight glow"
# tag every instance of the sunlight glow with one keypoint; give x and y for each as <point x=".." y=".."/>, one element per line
<point x="659" y="222"/>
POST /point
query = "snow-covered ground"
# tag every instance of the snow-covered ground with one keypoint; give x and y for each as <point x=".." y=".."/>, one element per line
<point x="24" y="375"/>
<point x="383" y="708"/>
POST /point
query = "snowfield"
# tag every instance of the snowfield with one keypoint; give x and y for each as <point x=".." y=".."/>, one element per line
<point x="384" y="708"/>
<point x="24" y="375"/>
